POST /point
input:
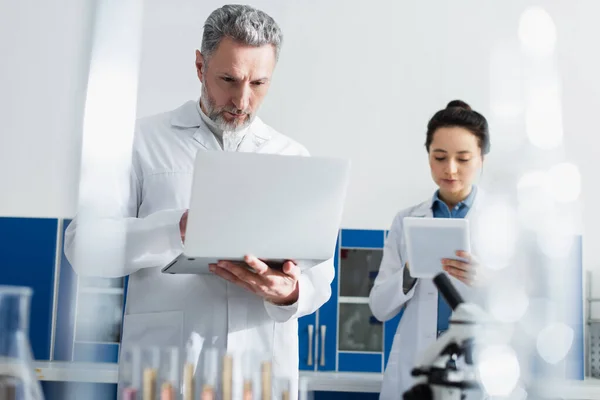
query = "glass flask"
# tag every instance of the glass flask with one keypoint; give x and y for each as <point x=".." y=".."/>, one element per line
<point x="17" y="378"/>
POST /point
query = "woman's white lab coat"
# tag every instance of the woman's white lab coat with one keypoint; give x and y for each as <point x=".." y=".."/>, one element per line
<point x="417" y="329"/>
<point x="164" y="309"/>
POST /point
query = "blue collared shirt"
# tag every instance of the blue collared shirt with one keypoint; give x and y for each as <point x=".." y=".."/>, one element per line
<point x="441" y="210"/>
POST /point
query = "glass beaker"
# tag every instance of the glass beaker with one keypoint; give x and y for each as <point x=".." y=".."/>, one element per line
<point x="17" y="377"/>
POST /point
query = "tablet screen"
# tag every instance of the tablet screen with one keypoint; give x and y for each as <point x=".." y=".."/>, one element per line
<point x="429" y="240"/>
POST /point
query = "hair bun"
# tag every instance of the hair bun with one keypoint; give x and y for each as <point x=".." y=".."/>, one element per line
<point x="459" y="104"/>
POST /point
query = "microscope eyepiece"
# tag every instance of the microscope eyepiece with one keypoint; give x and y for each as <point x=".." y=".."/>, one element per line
<point x="447" y="290"/>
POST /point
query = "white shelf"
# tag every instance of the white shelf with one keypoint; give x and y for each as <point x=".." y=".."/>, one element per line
<point x="353" y="300"/>
<point x="94" y="342"/>
<point x="101" y="290"/>
<point x="361" y="248"/>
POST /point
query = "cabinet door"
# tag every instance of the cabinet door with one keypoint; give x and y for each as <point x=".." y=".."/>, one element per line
<point x="28" y="258"/>
<point x="360" y="341"/>
<point x="306" y="342"/>
<point x="326" y="330"/>
<point x="65" y="310"/>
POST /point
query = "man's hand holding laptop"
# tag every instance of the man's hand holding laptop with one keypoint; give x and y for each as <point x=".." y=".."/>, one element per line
<point x="278" y="285"/>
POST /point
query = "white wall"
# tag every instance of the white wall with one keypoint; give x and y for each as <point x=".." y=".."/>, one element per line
<point x="352" y="81"/>
<point x="360" y="80"/>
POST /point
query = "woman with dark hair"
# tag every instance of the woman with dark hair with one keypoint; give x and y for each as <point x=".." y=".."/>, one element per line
<point x="457" y="141"/>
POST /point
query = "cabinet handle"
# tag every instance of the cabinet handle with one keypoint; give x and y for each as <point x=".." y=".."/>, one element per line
<point x="310" y="344"/>
<point x="323" y="331"/>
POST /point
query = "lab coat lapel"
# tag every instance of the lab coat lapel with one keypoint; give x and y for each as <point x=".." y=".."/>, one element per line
<point x="473" y="215"/>
<point x="258" y="135"/>
<point x="474" y="294"/>
<point x="427" y="293"/>
<point x="188" y="117"/>
<point x="477" y="205"/>
<point x="423" y="210"/>
<point x="206" y="138"/>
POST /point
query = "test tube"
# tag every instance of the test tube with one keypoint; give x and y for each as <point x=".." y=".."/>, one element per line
<point x="303" y="389"/>
<point x="284" y="384"/>
<point x="248" y="374"/>
<point x="11" y="387"/>
<point x="227" y="377"/>
<point x="150" y="365"/>
<point x="266" y="383"/>
<point x="149" y="392"/>
<point x="169" y="373"/>
<point x="129" y="370"/>
<point x="211" y="368"/>
<point x="188" y="382"/>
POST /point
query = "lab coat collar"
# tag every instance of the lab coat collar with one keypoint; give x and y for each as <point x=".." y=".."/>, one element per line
<point x="258" y="134"/>
<point x="423" y="210"/>
<point x="187" y="116"/>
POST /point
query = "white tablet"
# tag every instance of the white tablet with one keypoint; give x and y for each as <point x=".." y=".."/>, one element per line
<point x="429" y="240"/>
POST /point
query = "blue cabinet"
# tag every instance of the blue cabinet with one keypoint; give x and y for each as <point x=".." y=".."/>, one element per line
<point x="360" y="335"/>
<point x="31" y="254"/>
<point x="355" y="341"/>
<point x="28" y="258"/>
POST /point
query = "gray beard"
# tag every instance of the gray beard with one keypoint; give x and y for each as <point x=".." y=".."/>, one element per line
<point x="216" y="116"/>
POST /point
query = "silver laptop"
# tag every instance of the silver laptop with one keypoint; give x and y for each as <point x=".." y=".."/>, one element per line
<point x="274" y="207"/>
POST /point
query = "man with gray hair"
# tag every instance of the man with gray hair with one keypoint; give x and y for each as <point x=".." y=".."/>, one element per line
<point x="234" y="309"/>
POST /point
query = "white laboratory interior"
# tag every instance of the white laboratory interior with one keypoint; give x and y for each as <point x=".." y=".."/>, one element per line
<point x="289" y="200"/>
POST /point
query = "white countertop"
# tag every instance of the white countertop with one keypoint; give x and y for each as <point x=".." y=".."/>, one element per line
<point x="108" y="373"/>
<point x="588" y="389"/>
<point x="76" y="372"/>
<point x="342" y="381"/>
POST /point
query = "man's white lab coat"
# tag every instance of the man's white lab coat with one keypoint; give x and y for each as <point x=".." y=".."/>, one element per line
<point x="163" y="309"/>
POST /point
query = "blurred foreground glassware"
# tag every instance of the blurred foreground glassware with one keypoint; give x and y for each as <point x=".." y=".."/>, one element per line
<point x="17" y="377"/>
